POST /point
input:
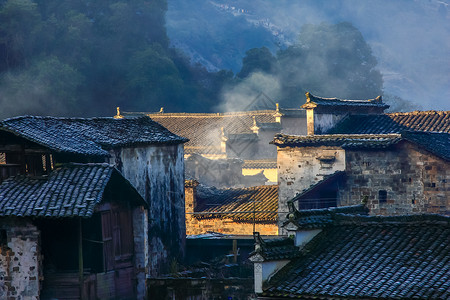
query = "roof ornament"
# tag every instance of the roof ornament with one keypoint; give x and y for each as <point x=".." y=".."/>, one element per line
<point x="118" y="115"/>
<point x="277" y="114"/>
<point x="161" y="110"/>
<point x="255" y="127"/>
<point x="308" y="96"/>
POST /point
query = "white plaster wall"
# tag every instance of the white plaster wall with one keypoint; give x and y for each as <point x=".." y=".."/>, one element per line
<point x="257" y="267"/>
<point x="324" y="122"/>
<point x="299" y="168"/>
<point x="303" y="237"/>
<point x="157" y="172"/>
<point x="263" y="271"/>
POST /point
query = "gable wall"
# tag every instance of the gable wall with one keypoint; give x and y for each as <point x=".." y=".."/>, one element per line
<point x="415" y="180"/>
<point x="157" y="172"/>
<point x="299" y="168"/>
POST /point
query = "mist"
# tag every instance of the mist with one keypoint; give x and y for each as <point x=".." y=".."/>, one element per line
<point x="242" y="97"/>
<point x="410" y="39"/>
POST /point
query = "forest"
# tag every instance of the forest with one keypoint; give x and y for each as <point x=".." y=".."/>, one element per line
<point x="84" y="58"/>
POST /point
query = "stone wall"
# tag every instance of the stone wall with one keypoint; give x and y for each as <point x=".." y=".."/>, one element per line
<point x="20" y="260"/>
<point x="299" y="168"/>
<point x="157" y="172"/>
<point x="415" y="180"/>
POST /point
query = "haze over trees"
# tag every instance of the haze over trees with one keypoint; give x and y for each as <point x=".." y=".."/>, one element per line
<point x="84" y="58"/>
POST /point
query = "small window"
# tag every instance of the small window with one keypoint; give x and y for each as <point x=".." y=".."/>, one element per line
<point x="2" y="158"/>
<point x="382" y="196"/>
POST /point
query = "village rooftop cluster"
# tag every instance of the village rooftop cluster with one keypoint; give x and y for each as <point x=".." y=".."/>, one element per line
<point x="334" y="200"/>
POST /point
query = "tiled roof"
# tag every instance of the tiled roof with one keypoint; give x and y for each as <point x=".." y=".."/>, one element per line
<point x="375" y="141"/>
<point x="239" y="204"/>
<point x="275" y="249"/>
<point x="69" y="191"/>
<point x="313" y="101"/>
<point x="437" y="121"/>
<point x="89" y="136"/>
<point x="319" y="218"/>
<point x="260" y="164"/>
<point x="435" y="142"/>
<point x="204" y="131"/>
<point x="371" y="258"/>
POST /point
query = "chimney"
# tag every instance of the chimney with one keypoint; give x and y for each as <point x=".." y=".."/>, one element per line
<point x="190" y="191"/>
<point x="309" y="115"/>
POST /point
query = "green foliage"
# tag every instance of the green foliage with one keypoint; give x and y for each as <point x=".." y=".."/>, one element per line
<point x="19" y="25"/>
<point x="48" y="86"/>
<point x="87" y="57"/>
<point x="257" y="59"/>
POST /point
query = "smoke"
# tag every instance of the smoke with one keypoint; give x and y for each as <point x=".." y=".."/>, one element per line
<point x="48" y="87"/>
<point x="409" y="39"/>
<point x="244" y="96"/>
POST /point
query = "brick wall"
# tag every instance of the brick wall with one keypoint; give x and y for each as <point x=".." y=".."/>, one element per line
<point x="415" y="180"/>
<point x="227" y="226"/>
<point x="20" y="260"/>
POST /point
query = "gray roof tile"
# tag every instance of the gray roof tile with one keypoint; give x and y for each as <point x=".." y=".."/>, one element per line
<point x="89" y="136"/>
<point x="68" y="191"/>
<point x="371" y="258"/>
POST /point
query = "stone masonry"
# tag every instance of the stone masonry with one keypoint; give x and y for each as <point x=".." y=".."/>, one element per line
<point x="20" y="260"/>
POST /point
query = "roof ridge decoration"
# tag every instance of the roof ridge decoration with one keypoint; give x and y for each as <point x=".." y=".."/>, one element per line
<point x="420" y="112"/>
<point x="338" y="140"/>
<point x="314" y="101"/>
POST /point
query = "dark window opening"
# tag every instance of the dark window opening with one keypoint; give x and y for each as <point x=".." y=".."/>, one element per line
<point x="3" y="238"/>
<point x="382" y="196"/>
<point x="2" y="158"/>
<point x="60" y="240"/>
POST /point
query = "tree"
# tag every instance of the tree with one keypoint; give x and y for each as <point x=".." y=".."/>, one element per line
<point x="332" y="61"/>
<point x="257" y="59"/>
<point x="20" y="24"/>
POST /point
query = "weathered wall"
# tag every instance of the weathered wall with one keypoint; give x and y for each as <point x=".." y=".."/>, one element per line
<point x="157" y="172"/>
<point x="324" y="122"/>
<point x="226" y="226"/>
<point x="293" y="126"/>
<point x="141" y="249"/>
<point x="416" y="181"/>
<point x="299" y="168"/>
<point x="20" y="260"/>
